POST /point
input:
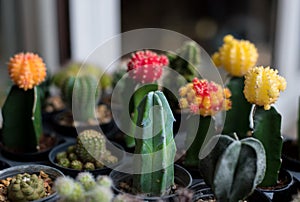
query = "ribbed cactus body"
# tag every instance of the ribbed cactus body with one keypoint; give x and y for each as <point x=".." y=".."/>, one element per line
<point x="90" y="146"/>
<point x="233" y="168"/>
<point x="81" y="93"/>
<point x="187" y="60"/>
<point x="26" y="187"/>
<point x="157" y="148"/>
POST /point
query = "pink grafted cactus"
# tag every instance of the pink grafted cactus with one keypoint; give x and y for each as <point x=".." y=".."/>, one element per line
<point x="146" y="66"/>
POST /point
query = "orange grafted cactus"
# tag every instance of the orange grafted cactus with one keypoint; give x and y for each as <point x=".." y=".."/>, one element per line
<point x="204" y="98"/>
<point x="27" y="70"/>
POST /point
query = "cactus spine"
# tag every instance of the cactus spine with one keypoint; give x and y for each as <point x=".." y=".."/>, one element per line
<point x="233" y="168"/>
<point x="80" y="94"/>
<point x="155" y="144"/>
<point x="26" y="187"/>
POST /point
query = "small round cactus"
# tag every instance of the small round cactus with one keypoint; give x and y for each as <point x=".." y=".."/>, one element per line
<point x="87" y="180"/>
<point x="64" y="162"/>
<point x="89" y="166"/>
<point x="104" y="181"/>
<point x="100" y="194"/>
<point x="69" y="189"/>
<point x="76" y="164"/>
<point x="61" y="155"/>
<point x="26" y="187"/>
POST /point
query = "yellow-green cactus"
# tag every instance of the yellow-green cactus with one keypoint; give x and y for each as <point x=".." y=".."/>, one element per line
<point x="263" y="86"/>
<point x="26" y="187"/>
<point x="236" y="56"/>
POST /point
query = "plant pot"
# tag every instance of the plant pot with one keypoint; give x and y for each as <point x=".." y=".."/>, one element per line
<point x="73" y="172"/>
<point x="290" y="155"/>
<point x="204" y="192"/>
<point x="51" y="141"/>
<point x="4" y="165"/>
<point x="181" y="176"/>
<point x="285" y="191"/>
<point x="63" y="123"/>
<point x="31" y="169"/>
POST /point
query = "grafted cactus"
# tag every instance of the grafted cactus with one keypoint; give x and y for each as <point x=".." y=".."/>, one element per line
<point x="233" y="168"/>
<point x="82" y="101"/>
<point x="26" y="187"/>
<point x="22" y="118"/>
<point x="155" y="146"/>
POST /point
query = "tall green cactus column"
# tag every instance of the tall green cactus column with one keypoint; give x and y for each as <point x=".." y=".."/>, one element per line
<point x="155" y="146"/>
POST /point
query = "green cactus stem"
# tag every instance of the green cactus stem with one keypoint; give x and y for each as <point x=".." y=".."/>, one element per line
<point x="196" y="137"/>
<point x="267" y="126"/>
<point x="237" y="122"/>
<point x="156" y="151"/>
<point x="138" y="95"/>
<point x="22" y="120"/>
<point x="82" y="101"/>
<point x="233" y="168"/>
<point x="26" y="187"/>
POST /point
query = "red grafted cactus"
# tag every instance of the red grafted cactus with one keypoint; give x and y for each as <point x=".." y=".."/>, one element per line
<point x="146" y="66"/>
<point x="204" y="98"/>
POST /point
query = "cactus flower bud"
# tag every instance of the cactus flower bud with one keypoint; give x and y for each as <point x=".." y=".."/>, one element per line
<point x="204" y="98"/>
<point x="236" y="56"/>
<point x="146" y="66"/>
<point x="27" y="70"/>
<point x="263" y="86"/>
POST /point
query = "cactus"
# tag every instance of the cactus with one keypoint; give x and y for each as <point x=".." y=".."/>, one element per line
<point x="26" y="187"/>
<point x="233" y="168"/>
<point x="144" y="67"/>
<point x="26" y="71"/>
<point x="104" y="181"/>
<point x="89" y="166"/>
<point x="76" y="164"/>
<point x="205" y="99"/>
<point x="236" y="56"/>
<point x="91" y="146"/>
<point x="186" y="60"/>
<point x="262" y="88"/>
<point x="82" y="188"/>
<point x="64" y="162"/>
<point x="80" y="94"/>
<point x="156" y="151"/>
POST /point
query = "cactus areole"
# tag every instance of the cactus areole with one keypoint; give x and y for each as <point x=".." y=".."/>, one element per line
<point x="155" y="147"/>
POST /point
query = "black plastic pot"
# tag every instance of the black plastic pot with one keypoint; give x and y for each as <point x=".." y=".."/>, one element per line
<point x="204" y="192"/>
<point x="31" y="169"/>
<point x="4" y="165"/>
<point x="119" y="153"/>
<point x="182" y="179"/>
<point x="31" y="156"/>
<point x="109" y="129"/>
<point x="283" y="193"/>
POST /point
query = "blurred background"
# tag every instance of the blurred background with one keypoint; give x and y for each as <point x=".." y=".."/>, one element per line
<point x="64" y="30"/>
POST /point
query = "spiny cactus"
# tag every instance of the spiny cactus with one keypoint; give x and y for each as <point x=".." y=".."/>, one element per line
<point x="155" y="146"/>
<point x="205" y="99"/>
<point x="262" y="87"/>
<point x="82" y="188"/>
<point x="91" y="147"/>
<point x="26" y="71"/>
<point x="81" y="94"/>
<point x="26" y="187"/>
<point x="233" y="168"/>
<point x="236" y="56"/>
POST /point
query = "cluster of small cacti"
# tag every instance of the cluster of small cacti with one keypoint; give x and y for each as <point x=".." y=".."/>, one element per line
<point x="263" y="86"/>
<point x="205" y="98"/>
<point x="26" y="187"/>
<point x="236" y="56"/>
<point x="27" y="71"/>
<point x="89" y="153"/>
<point x="84" y="188"/>
<point x="156" y="149"/>
<point x="233" y="168"/>
<point x="146" y="66"/>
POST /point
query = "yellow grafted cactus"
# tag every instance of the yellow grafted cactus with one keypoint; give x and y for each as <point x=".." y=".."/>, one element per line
<point x="27" y="70"/>
<point x="263" y="86"/>
<point x="204" y="98"/>
<point x="236" y="56"/>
